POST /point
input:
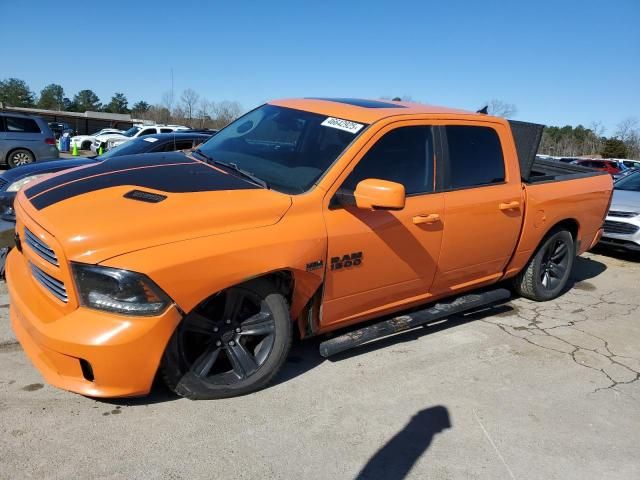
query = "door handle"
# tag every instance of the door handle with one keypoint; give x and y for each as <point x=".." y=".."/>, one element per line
<point x="509" y="206"/>
<point x="426" y="218"/>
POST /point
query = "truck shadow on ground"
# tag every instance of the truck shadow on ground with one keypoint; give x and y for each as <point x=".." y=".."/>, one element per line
<point x="584" y="269"/>
<point x="305" y="355"/>
<point x="619" y="254"/>
<point x="394" y="459"/>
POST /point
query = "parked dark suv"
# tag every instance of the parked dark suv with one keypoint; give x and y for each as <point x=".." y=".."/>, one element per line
<point x="25" y="139"/>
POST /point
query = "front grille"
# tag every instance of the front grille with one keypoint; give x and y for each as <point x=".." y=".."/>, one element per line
<point x="40" y="247"/>
<point x="621" y="214"/>
<point x="53" y="285"/>
<point x="620" y="227"/>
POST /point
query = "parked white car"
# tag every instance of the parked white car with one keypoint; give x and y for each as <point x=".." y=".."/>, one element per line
<point x="111" y="140"/>
<point x="83" y="142"/>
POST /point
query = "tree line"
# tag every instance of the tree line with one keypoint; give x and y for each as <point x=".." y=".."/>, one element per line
<point x="190" y="108"/>
<point x="571" y="141"/>
<point x="194" y="110"/>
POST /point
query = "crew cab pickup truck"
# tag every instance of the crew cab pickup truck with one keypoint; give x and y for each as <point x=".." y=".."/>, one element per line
<point x="304" y="216"/>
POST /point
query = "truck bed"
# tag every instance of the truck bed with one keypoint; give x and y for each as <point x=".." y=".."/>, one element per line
<point x="556" y="193"/>
<point x="549" y="171"/>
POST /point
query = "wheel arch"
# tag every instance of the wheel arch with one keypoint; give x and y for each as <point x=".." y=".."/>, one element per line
<point x="521" y="258"/>
<point x="298" y="287"/>
<point x="570" y="224"/>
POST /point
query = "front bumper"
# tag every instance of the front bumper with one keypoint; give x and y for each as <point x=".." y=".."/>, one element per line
<point x="622" y="232"/>
<point x="123" y="352"/>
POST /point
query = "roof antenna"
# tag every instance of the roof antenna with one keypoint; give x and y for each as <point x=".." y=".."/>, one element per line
<point x="484" y="110"/>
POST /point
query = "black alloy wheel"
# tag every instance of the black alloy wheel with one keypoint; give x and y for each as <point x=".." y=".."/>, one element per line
<point x="555" y="261"/>
<point x="231" y="345"/>
<point x="547" y="272"/>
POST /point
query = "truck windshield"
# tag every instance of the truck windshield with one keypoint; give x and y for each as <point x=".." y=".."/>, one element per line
<point x="131" y="132"/>
<point x="630" y="183"/>
<point x="289" y="149"/>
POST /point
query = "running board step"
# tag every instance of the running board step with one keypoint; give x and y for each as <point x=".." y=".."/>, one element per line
<point x="438" y="311"/>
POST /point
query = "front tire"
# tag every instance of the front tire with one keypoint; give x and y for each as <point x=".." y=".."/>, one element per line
<point x="546" y="275"/>
<point x="20" y="157"/>
<point x="233" y="344"/>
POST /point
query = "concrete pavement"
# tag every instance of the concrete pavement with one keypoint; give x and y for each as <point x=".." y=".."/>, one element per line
<point x="524" y="391"/>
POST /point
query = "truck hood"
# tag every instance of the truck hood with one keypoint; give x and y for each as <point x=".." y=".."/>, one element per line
<point x="625" y="201"/>
<point x="134" y="202"/>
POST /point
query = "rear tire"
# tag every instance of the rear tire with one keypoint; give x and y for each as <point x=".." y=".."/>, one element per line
<point x="547" y="272"/>
<point x="20" y="157"/>
<point x="231" y="345"/>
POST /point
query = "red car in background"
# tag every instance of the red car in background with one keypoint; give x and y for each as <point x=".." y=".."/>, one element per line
<point x="608" y="166"/>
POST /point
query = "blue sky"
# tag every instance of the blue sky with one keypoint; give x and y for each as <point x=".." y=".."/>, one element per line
<point x="560" y="62"/>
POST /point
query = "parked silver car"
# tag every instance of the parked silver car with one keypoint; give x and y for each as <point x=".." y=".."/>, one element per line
<point x="622" y="226"/>
<point x="25" y="139"/>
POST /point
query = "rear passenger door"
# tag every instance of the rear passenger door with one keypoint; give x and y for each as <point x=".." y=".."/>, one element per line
<point x="483" y="200"/>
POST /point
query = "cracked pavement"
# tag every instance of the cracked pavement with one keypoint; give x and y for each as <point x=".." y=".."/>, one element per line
<point x="524" y="390"/>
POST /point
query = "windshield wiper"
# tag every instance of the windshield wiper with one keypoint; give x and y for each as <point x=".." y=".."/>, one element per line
<point x="235" y="168"/>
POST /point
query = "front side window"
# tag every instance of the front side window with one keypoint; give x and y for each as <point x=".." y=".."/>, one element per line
<point x="475" y="157"/>
<point x="148" y="131"/>
<point x="289" y="149"/>
<point x="23" y="125"/>
<point x="403" y="155"/>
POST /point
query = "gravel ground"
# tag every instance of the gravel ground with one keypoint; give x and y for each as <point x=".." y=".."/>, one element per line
<point x="522" y="391"/>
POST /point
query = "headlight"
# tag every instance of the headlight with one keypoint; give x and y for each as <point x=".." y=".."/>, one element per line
<point x="18" y="184"/>
<point x="118" y="291"/>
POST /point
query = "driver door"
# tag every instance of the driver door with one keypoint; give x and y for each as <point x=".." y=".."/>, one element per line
<point x="381" y="260"/>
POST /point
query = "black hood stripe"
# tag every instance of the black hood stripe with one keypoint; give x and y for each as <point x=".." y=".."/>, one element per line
<point x="111" y="165"/>
<point x="182" y="177"/>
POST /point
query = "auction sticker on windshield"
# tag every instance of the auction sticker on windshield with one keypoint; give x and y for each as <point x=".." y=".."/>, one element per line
<point x="346" y="125"/>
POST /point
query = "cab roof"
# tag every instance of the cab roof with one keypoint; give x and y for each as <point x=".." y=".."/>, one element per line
<point x="365" y="110"/>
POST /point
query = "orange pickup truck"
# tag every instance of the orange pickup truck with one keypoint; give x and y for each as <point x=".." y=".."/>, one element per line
<point x="302" y="217"/>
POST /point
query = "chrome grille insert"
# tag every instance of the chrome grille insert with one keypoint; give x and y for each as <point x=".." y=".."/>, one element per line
<point x="40" y="247"/>
<point x="620" y="227"/>
<point x="53" y="285"/>
<point x="621" y="214"/>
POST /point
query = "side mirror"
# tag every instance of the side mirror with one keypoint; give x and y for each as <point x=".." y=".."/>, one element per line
<point x="374" y="193"/>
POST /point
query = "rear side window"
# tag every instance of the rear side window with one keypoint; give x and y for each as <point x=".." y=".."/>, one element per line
<point x="22" y="125"/>
<point x="166" y="130"/>
<point x="475" y="157"/>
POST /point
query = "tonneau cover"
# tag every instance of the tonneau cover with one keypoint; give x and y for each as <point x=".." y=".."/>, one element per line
<point x="527" y="137"/>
